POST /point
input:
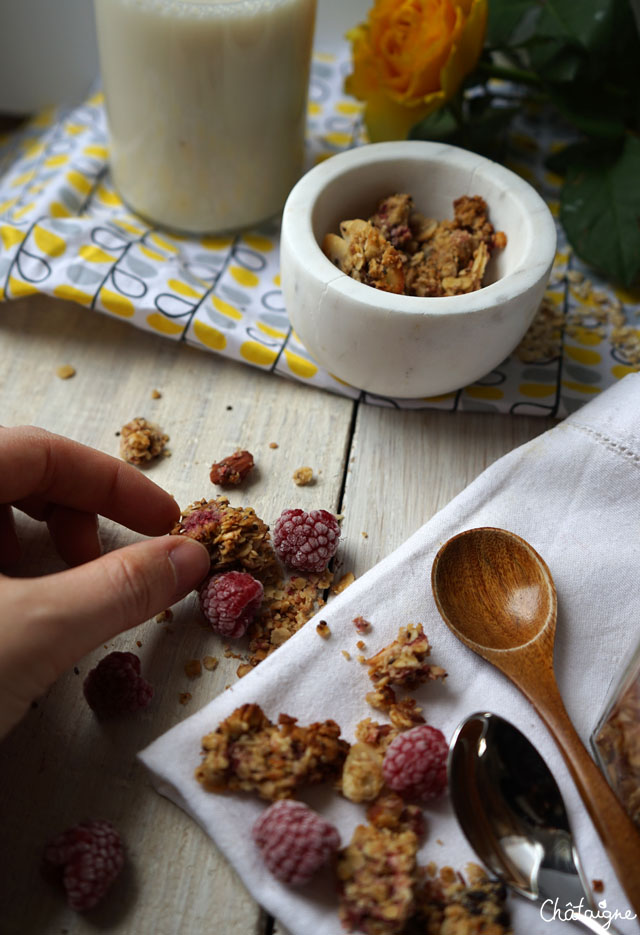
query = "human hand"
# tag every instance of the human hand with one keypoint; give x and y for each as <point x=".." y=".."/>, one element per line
<point x="48" y="623"/>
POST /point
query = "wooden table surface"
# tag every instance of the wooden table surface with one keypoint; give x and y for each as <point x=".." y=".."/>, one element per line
<point x="387" y="471"/>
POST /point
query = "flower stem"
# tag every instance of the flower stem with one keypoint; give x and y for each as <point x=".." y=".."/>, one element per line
<point x="518" y="75"/>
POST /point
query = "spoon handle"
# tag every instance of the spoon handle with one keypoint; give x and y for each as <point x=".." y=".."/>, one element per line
<point x="617" y="832"/>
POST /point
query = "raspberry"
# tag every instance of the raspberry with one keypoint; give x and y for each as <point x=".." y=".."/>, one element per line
<point x="306" y="541"/>
<point x="230" y="602"/>
<point x="415" y="764"/>
<point x="116" y="687"/>
<point x="294" y="841"/>
<point x="202" y="522"/>
<point x="89" y="857"/>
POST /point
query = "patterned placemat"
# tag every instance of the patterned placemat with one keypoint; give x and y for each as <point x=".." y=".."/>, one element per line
<point x="65" y="232"/>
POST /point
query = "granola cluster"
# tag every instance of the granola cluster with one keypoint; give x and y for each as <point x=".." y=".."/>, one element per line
<point x="402" y="664"/>
<point x="377" y="870"/>
<point x="362" y="778"/>
<point x="141" y="441"/>
<point x="447" y="904"/>
<point x="400" y="250"/>
<point x="235" y="537"/>
<point x="248" y="753"/>
<point x="618" y="746"/>
<point x="287" y="607"/>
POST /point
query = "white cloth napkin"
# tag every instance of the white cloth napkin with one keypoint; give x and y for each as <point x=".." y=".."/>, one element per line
<point x="574" y="494"/>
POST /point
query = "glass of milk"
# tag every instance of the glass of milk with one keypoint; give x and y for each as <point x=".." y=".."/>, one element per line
<point x="206" y="105"/>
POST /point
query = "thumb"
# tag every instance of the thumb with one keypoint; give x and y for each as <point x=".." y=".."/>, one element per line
<point x="70" y="613"/>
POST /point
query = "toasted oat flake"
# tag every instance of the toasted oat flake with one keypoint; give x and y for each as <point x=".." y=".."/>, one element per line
<point x="346" y="655"/>
<point x="66" y="371"/>
<point x="273" y="445"/>
<point x="343" y="583"/>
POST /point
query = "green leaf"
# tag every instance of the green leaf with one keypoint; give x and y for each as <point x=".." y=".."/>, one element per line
<point x="600" y="209"/>
<point x="440" y="126"/>
<point x="585" y="22"/>
<point x="506" y="19"/>
<point x="594" y="111"/>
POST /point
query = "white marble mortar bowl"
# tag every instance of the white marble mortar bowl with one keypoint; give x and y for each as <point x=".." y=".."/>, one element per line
<point x="407" y="346"/>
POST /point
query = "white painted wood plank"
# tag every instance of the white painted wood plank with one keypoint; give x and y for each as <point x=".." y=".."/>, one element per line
<point x="60" y="765"/>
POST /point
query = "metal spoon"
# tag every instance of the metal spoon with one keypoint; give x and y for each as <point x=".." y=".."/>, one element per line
<point x="513" y="816"/>
<point x="496" y="594"/>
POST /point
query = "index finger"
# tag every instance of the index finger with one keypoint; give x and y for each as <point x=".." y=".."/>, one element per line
<point x="37" y="463"/>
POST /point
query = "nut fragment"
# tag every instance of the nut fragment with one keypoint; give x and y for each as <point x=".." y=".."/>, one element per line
<point x="232" y="470"/>
<point x="303" y="476"/>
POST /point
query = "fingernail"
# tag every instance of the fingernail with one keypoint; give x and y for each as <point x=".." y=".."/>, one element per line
<point x="191" y="563"/>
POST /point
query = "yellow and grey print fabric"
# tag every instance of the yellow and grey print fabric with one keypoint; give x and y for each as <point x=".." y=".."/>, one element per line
<point x="65" y="232"/>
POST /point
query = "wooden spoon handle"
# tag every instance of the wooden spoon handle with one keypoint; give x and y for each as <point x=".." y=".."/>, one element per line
<point x="617" y="832"/>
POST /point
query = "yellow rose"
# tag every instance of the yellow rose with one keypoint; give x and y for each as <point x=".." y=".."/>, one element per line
<point x="410" y="57"/>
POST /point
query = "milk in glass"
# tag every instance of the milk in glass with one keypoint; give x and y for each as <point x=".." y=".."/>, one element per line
<point x="206" y="105"/>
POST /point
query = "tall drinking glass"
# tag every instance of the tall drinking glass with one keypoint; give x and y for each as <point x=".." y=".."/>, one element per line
<point x="206" y="106"/>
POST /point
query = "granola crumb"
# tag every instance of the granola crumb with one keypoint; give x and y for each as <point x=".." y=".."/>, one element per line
<point x="243" y="669"/>
<point x="362" y="659"/>
<point x="303" y="476"/>
<point x="273" y="445"/>
<point x="322" y="629"/>
<point x="365" y="535"/>
<point x="156" y="394"/>
<point x="193" y="668"/>
<point x="66" y="371"/>
<point x="185" y="697"/>
<point x="346" y="655"/>
<point x="361" y="625"/>
<point x="343" y="583"/>
<point x="141" y="441"/>
<point x="164" y="616"/>
<point x="597" y="886"/>
<point x="361" y="644"/>
<point x="210" y="663"/>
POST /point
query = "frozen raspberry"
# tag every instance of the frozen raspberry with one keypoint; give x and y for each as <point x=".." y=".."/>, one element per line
<point x="116" y="687"/>
<point x="230" y="602"/>
<point x="415" y="764"/>
<point x="202" y="523"/>
<point x="294" y="841"/>
<point x="89" y="857"/>
<point x="306" y="541"/>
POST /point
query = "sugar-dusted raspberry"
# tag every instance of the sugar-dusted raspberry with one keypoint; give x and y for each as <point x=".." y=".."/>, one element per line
<point x="202" y="523"/>
<point x="116" y="687"/>
<point x="306" y="541"/>
<point x="230" y="602"/>
<point x="415" y="764"/>
<point x="89" y="857"/>
<point x="294" y="841"/>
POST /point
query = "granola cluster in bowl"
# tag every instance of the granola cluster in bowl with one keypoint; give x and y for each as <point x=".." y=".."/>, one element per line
<point x="434" y="320"/>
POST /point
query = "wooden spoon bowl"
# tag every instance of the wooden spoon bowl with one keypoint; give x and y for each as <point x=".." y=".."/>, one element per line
<point x="496" y="594"/>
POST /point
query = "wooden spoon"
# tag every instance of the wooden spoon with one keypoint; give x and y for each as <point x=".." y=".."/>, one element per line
<point x="496" y="594"/>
